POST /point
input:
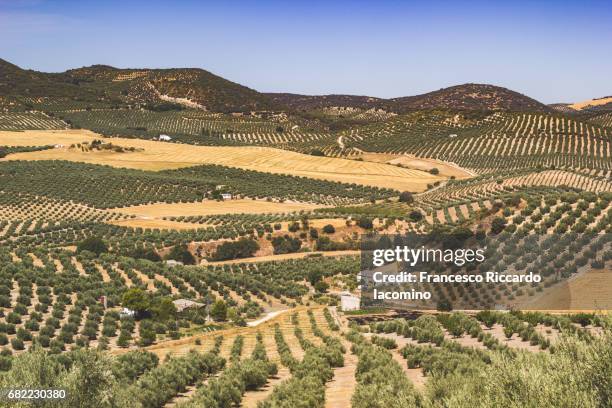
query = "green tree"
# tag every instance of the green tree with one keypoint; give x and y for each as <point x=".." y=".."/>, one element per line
<point x="314" y="276"/>
<point x="243" y="248"/>
<point x="162" y="308"/>
<point x="146" y="253"/>
<point x="314" y="233"/>
<point x="415" y="216"/>
<point x="92" y="244"/>
<point x="329" y="229"/>
<point x="321" y="286"/>
<point x="137" y="300"/>
<point x="218" y="311"/>
<point x="365" y="223"/>
<point x="497" y="225"/>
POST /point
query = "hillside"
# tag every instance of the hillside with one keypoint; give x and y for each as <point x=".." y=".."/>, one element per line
<point x="190" y="87"/>
<point x="478" y="97"/>
<point x="194" y="88"/>
<point x="313" y="102"/>
<point x="470" y="97"/>
<point x="15" y="81"/>
<point x="199" y="89"/>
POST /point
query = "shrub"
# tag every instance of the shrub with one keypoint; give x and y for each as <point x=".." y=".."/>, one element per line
<point x="497" y="225"/>
<point x="365" y="223"/>
<point x="329" y="229"/>
<point x="17" y="343"/>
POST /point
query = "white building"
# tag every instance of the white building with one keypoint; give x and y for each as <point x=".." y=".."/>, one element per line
<point x="172" y="262"/>
<point x="349" y="301"/>
<point x="226" y="196"/>
<point x="125" y="312"/>
<point x="165" y="138"/>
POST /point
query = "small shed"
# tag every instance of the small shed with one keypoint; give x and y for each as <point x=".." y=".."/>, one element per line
<point x="165" y="138"/>
<point x="226" y="196"/>
<point x="172" y="263"/>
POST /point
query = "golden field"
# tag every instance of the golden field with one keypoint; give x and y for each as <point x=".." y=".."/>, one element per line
<point x="211" y="207"/>
<point x="156" y="156"/>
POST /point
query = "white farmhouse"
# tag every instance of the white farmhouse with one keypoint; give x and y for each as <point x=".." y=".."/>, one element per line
<point x="164" y="138"/>
<point x="349" y="301"/>
<point x="226" y="196"/>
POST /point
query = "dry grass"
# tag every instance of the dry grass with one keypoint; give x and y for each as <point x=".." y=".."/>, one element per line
<point x="339" y="391"/>
<point x="161" y="155"/>
<point x="210" y="207"/>
<point x="418" y="163"/>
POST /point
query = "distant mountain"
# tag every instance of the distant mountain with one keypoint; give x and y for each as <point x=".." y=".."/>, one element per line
<point x="470" y="97"/>
<point x="200" y="89"/>
<point x="192" y="87"/>
<point x="461" y="97"/>
<point x="188" y="86"/>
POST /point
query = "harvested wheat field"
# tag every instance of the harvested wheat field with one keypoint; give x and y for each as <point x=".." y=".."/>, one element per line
<point x="211" y="207"/>
<point x="419" y="163"/>
<point x="588" y="291"/>
<point x="591" y="102"/>
<point x="154" y="155"/>
<point x="153" y="223"/>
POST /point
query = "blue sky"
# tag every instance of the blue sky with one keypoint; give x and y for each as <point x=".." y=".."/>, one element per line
<point x="554" y="51"/>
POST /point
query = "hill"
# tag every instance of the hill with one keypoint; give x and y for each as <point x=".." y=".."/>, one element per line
<point x="477" y="97"/>
<point x="178" y="88"/>
<point x="470" y="97"/>
<point x="189" y="87"/>
<point x="15" y="81"/>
